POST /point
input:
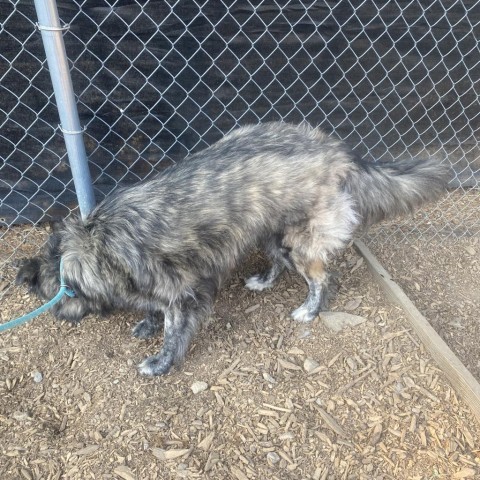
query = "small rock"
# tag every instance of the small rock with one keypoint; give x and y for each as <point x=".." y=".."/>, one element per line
<point x="310" y="364"/>
<point x="470" y="250"/>
<point x="198" y="387"/>
<point x="21" y="416"/>
<point x="337" y="321"/>
<point x="268" y="377"/>
<point x="37" y="377"/>
<point x="273" y="458"/>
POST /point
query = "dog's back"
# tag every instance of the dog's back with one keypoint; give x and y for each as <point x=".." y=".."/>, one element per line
<point x="219" y="202"/>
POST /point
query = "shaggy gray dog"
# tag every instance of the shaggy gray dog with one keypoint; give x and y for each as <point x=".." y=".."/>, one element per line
<point x="165" y="246"/>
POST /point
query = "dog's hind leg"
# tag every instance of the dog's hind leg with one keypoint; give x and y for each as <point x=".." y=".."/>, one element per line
<point x="317" y="277"/>
<point x="266" y="279"/>
<point x="329" y="229"/>
<point x="280" y="260"/>
<point x="149" y="326"/>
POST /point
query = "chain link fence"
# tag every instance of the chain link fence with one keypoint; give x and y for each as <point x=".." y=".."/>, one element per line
<point x="158" y="80"/>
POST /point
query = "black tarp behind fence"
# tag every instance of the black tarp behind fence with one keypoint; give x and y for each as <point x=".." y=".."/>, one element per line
<point x="157" y="80"/>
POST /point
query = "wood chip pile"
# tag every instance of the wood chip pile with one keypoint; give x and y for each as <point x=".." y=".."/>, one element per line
<point x="259" y="396"/>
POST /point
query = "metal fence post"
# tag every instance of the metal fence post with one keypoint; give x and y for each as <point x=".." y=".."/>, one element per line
<point x="51" y="30"/>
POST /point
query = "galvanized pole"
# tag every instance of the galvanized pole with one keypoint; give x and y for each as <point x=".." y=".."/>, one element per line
<point x="52" y="36"/>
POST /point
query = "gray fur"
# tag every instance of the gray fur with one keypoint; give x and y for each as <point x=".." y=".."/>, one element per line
<point x="165" y="246"/>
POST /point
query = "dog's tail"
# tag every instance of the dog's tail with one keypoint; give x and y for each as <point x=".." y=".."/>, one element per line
<point x="384" y="190"/>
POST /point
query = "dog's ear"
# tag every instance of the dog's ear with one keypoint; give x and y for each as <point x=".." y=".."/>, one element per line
<point x="28" y="272"/>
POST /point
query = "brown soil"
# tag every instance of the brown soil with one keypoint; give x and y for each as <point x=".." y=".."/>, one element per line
<point x="72" y="405"/>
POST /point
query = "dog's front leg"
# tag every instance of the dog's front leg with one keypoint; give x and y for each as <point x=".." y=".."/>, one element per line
<point x="149" y="326"/>
<point x="179" y="327"/>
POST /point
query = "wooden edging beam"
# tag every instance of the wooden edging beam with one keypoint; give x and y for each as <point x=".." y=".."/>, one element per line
<point x="459" y="376"/>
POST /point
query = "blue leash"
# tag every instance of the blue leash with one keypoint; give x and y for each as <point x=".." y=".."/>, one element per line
<point x="64" y="290"/>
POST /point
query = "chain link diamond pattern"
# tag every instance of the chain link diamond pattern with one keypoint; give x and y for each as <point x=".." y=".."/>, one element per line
<point x="157" y="80"/>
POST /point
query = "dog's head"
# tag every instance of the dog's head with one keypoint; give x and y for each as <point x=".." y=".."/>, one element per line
<point x="42" y="276"/>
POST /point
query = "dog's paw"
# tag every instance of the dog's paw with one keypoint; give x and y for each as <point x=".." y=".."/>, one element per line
<point x="146" y="328"/>
<point x="155" y="365"/>
<point x="302" y="314"/>
<point x="257" y="283"/>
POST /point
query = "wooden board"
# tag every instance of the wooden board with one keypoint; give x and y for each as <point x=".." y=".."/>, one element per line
<point x="462" y="380"/>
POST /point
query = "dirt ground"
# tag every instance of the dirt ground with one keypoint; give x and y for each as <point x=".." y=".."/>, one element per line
<point x="282" y="400"/>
